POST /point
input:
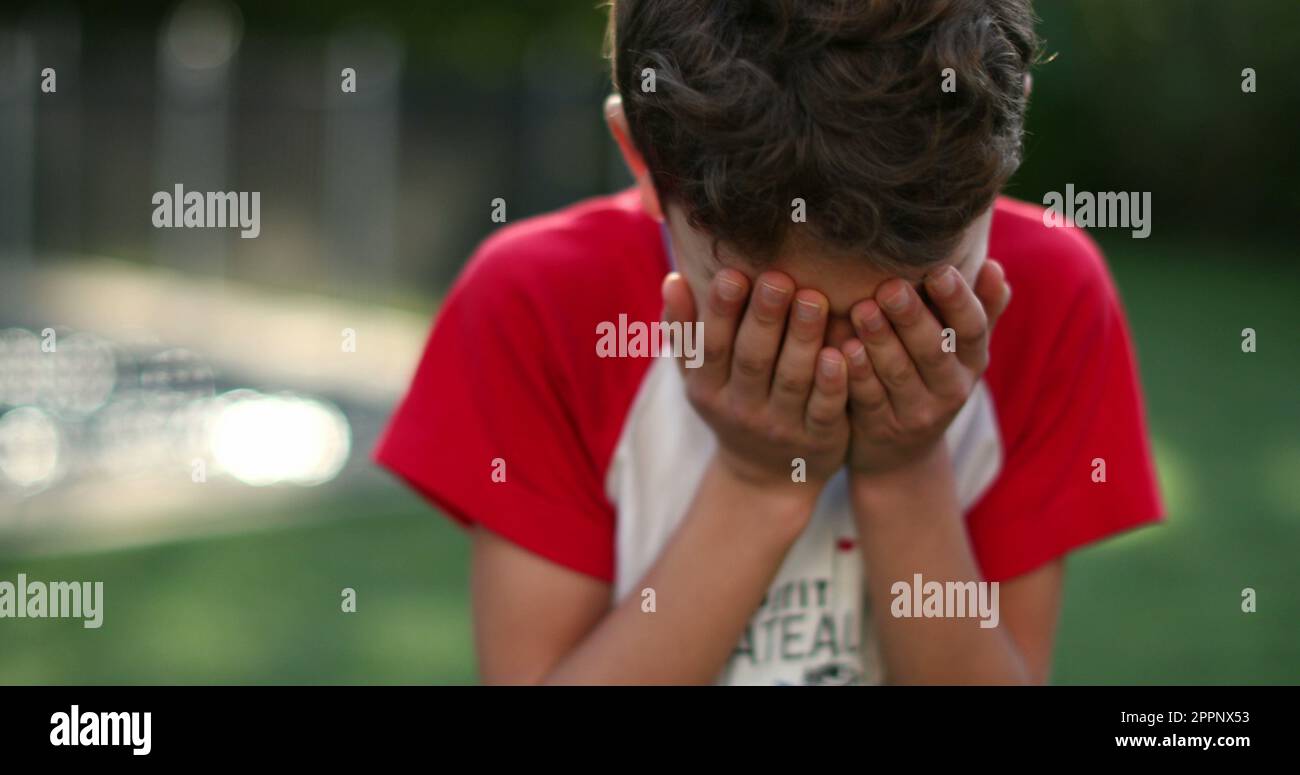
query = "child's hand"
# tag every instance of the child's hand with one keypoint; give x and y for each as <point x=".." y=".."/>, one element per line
<point x="904" y="390"/>
<point x="770" y="392"/>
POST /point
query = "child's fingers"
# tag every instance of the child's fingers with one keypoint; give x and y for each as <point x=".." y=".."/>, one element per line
<point x="922" y="336"/>
<point x="868" y="400"/>
<point x="963" y="312"/>
<point x="993" y="291"/>
<point x="829" y="394"/>
<point x="679" y="306"/>
<point x="889" y="360"/>
<point x="795" y="365"/>
<point x="759" y="339"/>
<point x="721" y="317"/>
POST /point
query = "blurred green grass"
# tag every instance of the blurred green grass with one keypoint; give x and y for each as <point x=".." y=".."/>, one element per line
<point x="1161" y="605"/>
<point x="265" y="606"/>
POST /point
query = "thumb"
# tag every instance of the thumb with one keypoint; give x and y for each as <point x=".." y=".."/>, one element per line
<point x="679" y="302"/>
<point x="679" y="305"/>
<point x="993" y="291"/>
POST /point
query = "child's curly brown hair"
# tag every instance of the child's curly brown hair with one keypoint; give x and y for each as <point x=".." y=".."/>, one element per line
<point x="837" y="102"/>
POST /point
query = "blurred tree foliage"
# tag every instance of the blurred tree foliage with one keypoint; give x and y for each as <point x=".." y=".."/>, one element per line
<point x="1146" y="96"/>
<point x="1140" y="95"/>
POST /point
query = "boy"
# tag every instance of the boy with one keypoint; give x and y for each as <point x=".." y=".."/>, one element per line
<point x="853" y="435"/>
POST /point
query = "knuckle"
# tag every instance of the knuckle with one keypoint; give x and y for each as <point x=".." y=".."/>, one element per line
<point x="791" y="384"/>
<point x="752" y="366"/>
<point x="820" y="422"/>
<point x="975" y="345"/>
<point x="931" y="357"/>
<point x="896" y="373"/>
<point x="714" y="352"/>
<point x="955" y="398"/>
<point x="779" y="435"/>
<point x="870" y="400"/>
<point x="924" y="419"/>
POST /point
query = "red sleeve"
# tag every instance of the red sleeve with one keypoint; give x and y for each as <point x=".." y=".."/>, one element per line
<point x="1065" y="385"/>
<point x="510" y="373"/>
<point x="488" y="388"/>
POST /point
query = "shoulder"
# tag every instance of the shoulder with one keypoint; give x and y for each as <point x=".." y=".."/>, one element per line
<point x="1050" y="265"/>
<point x="510" y="373"/>
<point x="1065" y="319"/>
<point x="567" y="259"/>
<point x="1062" y="290"/>
<point x="1066" y="394"/>
<point x="529" y="304"/>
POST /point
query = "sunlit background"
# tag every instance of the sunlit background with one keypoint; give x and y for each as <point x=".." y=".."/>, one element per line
<point x="186" y="415"/>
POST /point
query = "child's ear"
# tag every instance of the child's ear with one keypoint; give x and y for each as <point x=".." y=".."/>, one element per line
<point x="616" y="119"/>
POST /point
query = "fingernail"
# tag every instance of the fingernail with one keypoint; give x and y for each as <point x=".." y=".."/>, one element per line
<point x="945" y="281"/>
<point x="856" y="352"/>
<point x="730" y="289"/>
<point x="897" y="301"/>
<point x="807" y="311"/>
<point x="830" y="367"/>
<point x="872" y="321"/>
<point x="772" y="294"/>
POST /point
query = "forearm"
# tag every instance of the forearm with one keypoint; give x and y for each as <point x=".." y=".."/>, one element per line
<point x="708" y="581"/>
<point x="910" y="522"/>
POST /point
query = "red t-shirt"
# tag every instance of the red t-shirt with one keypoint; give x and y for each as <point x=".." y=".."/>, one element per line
<point x="513" y="421"/>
